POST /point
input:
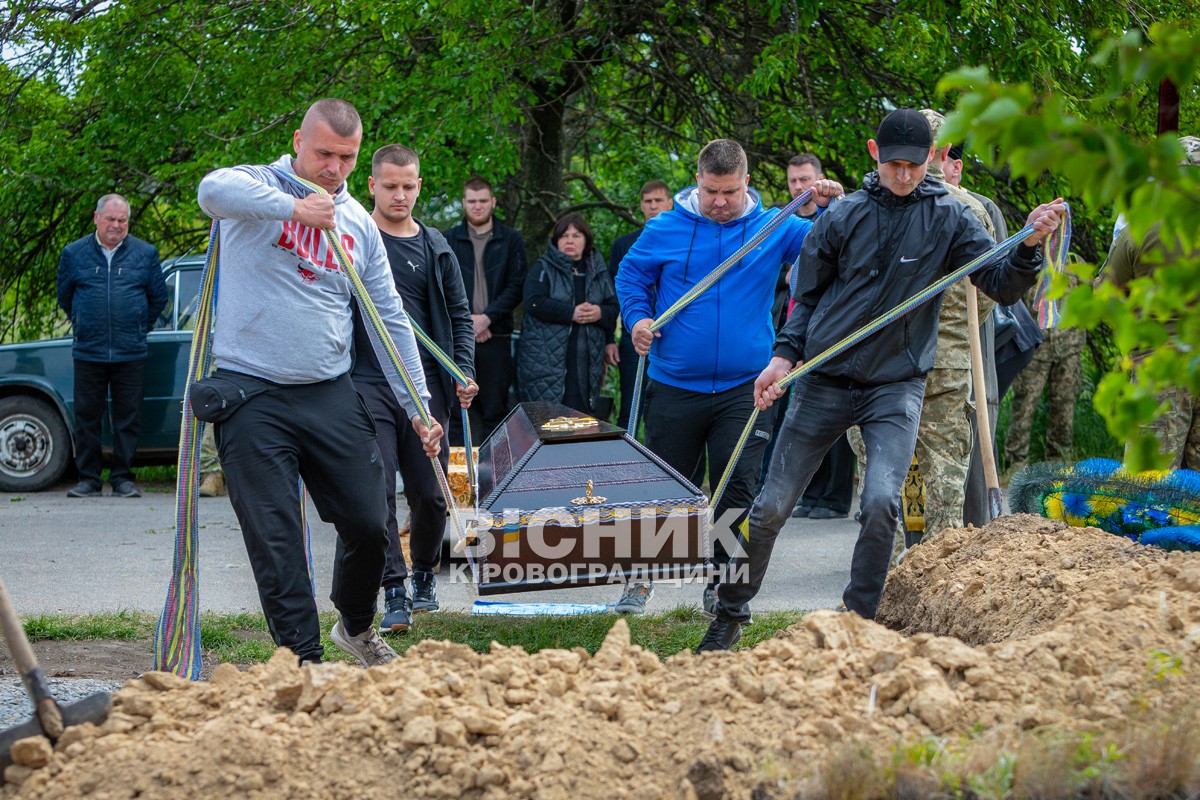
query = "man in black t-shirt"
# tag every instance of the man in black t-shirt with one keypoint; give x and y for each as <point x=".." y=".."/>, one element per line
<point x="656" y="198"/>
<point x="431" y="287"/>
<point x="491" y="256"/>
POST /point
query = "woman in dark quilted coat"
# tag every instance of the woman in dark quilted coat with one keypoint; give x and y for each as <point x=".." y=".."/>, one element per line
<point x="570" y="316"/>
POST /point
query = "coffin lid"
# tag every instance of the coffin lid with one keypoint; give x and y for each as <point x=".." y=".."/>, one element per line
<point x="543" y="454"/>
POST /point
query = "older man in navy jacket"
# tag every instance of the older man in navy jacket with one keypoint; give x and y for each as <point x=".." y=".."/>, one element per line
<point x="112" y="288"/>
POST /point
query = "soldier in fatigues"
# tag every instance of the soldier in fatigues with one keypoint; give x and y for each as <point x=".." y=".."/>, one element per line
<point x="1057" y="363"/>
<point x="1178" y="428"/>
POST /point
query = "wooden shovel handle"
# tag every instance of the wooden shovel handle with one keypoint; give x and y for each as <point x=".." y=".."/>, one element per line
<point x="44" y="705"/>
<point x="982" y="414"/>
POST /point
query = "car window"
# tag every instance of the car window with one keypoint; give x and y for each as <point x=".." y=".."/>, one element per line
<point x="189" y="287"/>
<point x="163" y="323"/>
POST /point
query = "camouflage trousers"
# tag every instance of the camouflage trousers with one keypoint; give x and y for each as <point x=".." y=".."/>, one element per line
<point x="1178" y="429"/>
<point x="209" y="461"/>
<point x="944" y="447"/>
<point x="1057" y="364"/>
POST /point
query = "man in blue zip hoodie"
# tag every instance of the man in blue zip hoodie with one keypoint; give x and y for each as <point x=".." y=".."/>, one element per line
<point x="867" y="254"/>
<point x="703" y="363"/>
<point x="112" y="288"/>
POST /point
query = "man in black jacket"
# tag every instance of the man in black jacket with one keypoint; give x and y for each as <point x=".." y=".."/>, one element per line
<point x="867" y="254"/>
<point x="492" y="258"/>
<point x="112" y="288"/>
<point x="656" y="198"/>
<point x="430" y="286"/>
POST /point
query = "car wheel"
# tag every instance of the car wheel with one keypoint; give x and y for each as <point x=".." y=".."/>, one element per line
<point x="35" y="447"/>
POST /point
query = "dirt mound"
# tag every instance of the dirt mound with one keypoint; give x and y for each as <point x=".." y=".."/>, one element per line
<point x="1074" y="629"/>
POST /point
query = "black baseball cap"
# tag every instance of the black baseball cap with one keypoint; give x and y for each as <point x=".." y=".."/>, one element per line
<point x="904" y="135"/>
<point x="956" y="151"/>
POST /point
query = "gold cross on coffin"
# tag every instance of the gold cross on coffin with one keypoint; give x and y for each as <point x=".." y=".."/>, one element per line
<point x="569" y="423"/>
<point x="589" y="499"/>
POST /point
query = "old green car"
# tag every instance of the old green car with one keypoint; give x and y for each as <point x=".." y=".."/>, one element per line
<point x="37" y="408"/>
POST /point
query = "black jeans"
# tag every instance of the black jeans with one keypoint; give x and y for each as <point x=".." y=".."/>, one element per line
<point x="832" y="486"/>
<point x="399" y="446"/>
<point x="681" y="426"/>
<point x="93" y="383"/>
<point x="322" y="433"/>
<point x="822" y="410"/>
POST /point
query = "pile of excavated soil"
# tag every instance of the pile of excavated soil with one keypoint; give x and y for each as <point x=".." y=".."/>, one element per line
<point x="992" y="632"/>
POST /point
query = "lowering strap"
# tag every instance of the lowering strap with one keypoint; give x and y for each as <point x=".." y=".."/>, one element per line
<point x="1056" y="246"/>
<point x="1056" y="253"/>
<point x="177" y="645"/>
<point x="461" y="379"/>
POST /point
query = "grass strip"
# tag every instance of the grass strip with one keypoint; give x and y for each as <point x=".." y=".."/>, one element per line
<point x="243" y="638"/>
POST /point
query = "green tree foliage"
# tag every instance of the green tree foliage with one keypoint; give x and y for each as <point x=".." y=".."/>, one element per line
<point x="564" y="105"/>
<point x="1100" y="145"/>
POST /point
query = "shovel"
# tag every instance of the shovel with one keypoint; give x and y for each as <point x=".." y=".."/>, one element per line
<point x="49" y="718"/>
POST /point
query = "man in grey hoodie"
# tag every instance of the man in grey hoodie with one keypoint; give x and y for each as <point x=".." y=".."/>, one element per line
<point x="283" y="333"/>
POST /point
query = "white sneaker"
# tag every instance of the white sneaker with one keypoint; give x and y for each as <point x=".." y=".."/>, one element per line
<point x="368" y="647"/>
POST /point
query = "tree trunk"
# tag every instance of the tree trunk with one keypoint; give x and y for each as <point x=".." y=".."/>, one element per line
<point x="542" y="156"/>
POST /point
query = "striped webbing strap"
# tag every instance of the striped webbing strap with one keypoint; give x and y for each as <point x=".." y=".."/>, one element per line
<point x="1056" y="246"/>
<point x="177" y="634"/>
<point x="703" y="285"/>
<point x="1056" y="256"/>
<point x="378" y="330"/>
<point x="461" y="379"/>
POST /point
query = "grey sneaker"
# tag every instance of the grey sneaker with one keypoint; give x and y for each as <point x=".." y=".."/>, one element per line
<point x="368" y="647"/>
<point x="126" y="489"/>
<point x="634" y="598"/>
<point x="424" y="588"/>
<point x="397" y="611"/>
<point x="85" y="489"/>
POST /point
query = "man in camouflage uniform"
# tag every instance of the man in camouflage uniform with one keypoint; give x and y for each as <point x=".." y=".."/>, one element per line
<point x="1058" y="364"/>
<point x="944" y="438"/>
<point x="1178" y="428"/>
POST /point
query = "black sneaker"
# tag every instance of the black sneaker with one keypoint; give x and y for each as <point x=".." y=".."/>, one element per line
<point x="126" y="489"/>
<point x="397" y="610"/>
<point x="424" y="586"/>
<point x="722" y="634"/>
<point x="800" y="512"/>
<point x="820" y="512"/>
<point x="85" y="489"/>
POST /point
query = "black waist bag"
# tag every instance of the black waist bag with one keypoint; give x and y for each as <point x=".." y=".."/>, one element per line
<point x="217" y="397"/>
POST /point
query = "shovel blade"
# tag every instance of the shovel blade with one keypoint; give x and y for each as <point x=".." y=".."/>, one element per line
<point x="94" y="709"/>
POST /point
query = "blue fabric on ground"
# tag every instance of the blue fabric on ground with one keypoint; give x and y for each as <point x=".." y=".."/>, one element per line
<point x="497" y="608"/>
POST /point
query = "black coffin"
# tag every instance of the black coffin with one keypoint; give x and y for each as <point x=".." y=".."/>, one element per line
<point x="568" y="500"/>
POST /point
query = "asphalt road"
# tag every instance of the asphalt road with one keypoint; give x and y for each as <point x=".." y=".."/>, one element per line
<point x="60" y="555"/>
